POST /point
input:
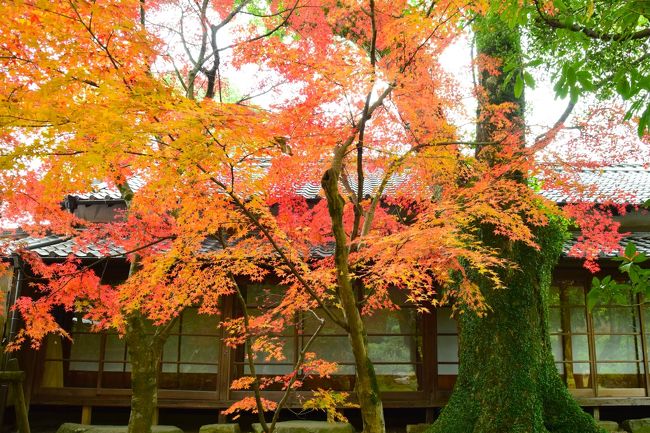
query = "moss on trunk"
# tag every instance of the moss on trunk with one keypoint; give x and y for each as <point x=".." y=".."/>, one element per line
<point x="366" y="386"/>
<point x="507" y="381"/>
<point x="145" y="352"/>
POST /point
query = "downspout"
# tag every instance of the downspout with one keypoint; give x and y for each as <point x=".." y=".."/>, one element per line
<point x="11" y="301"/>
<point x="11" y="324"/>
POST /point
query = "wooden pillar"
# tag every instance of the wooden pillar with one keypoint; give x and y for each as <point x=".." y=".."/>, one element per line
<point x="86" y="415"/>
<point x="221" y="418"/>
<point x="567" y="342"/>
<point x="16" y="379"/>
<point x="21" y="408"/>
<point x="156" y="414"/>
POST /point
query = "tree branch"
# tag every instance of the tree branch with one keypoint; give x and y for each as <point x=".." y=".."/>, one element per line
<point x="590" y="32"/>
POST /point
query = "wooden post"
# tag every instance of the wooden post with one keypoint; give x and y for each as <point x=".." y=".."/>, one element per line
<point x="156" y="413"/>
<point x="597" y="413"/>
<point x="20" y="406"/>
<point x="15" y="379"/>
<point x="429" y="415"/>
<point x="86" y="415"/>
<point x="221" y="418"/>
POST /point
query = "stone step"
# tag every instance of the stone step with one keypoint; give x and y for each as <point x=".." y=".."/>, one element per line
<point x="417" y="428"/>
<point x="220" y="428"/>
<point x="610" y="426"/>
<point x="308" y="427"/>
<point x="83" y="428"/>
<point x="637" y="425"/>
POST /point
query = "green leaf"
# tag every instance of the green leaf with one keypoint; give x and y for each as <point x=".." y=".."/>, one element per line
<point x="644" y="82"/>
<point x="590" y="10"/>
<point x="621" y="298"/>
<point x="584" y="78"/>
<point x="593" y="297"/>
<point x="519" y="86"/>
<point x="621" y="287"/>
<point x="575" y="94"/>
<point x="529" y="80"/>
<point x="623" y="87"/>
<point x="570" y="73"/>
<point x="534" y="63"/>
<point x="634" y="274"/>
<point x="644" y="123"/>
<point x="630" y="250"/>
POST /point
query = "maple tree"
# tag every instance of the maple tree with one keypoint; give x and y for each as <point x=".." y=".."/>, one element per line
<point x="96" y="91"/>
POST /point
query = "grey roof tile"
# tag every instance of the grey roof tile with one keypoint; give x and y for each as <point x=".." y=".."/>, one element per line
<point x="640" y="239"/>
<point x="64" y="247"/>
<point x="608" y="184"/>
<point x="102" y="191"/>
<point x="622" y="183"/>
<point x="370" y="185"/>
<point x="67" y="247"/>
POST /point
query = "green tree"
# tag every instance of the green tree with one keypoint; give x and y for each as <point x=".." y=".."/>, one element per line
<point x="595" y="47"/>
<point x="507" y="380"/>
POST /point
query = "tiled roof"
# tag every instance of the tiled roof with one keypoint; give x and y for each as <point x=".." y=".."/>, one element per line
<point x="58" y="247"/>
<point x="622" y="183"/>
<point x="308" y="191"/>
<point x="641" y="241"/>
<point x="61" y="247"/>
<point x="102" y="191"/>
<point x="608" y="182"/>
<point x="370" y="185"/>
<point x="604" y="184"/>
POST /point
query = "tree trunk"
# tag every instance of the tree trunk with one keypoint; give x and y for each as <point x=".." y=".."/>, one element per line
<point x="507" y="380"/>
<point x="145" y="352"/>
<point x="366" y="386"/>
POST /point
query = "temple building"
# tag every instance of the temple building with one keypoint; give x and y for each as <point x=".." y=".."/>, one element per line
<point x="602" y="355"/>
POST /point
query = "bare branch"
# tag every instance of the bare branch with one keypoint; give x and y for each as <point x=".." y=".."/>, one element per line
<point x="551" y="133"/>
<point x="269" y="33"/>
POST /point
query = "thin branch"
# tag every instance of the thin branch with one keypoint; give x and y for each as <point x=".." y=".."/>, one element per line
<point x="250" y="356"/>
<point x="550" y="134"/>
<point x="279" y="250"/>
<point x="358" y="210"/>
<point x="590" y="32"/>
<point x="426" y="41"/>
<point x="296" y="367"/>
<point x="232" y="15"/>
<point x="264" y="92"/>
<point x="284" y="22"/>
<point x="162" y="332"/>
<point x="608" y="79"/>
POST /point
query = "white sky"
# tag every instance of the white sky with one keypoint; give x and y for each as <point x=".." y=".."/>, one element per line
<point x="542" y="107"/>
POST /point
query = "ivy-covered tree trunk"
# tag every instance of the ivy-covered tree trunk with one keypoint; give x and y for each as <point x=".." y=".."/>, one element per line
<point x="145" y="352"/>
<point x="507" y="380"/>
